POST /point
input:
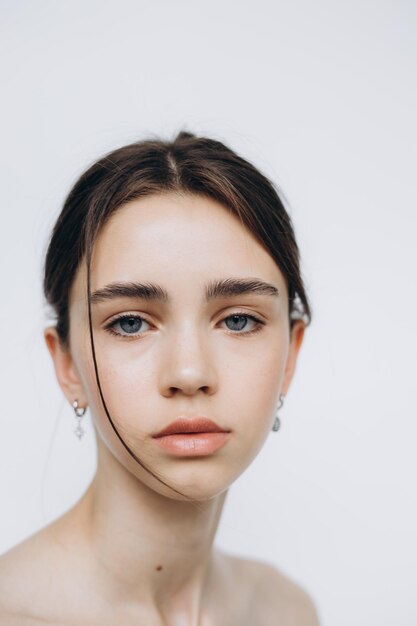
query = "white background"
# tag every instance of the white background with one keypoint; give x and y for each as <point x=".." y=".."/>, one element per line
<point x="322" y="97"/>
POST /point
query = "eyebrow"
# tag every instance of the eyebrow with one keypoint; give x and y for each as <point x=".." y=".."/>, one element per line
<point x="215" y="289"/>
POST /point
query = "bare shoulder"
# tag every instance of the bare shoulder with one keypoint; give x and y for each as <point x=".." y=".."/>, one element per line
<point x="27" y="571"/>
<point x="279" y="599"/>
<point x="284" y="597"/>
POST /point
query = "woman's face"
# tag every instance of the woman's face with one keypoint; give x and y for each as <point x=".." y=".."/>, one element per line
<point x="183" y="355"/>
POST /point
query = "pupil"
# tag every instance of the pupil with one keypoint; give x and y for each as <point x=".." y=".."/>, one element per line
<point x="130" y="324"/>
<point x="235" y="319"/>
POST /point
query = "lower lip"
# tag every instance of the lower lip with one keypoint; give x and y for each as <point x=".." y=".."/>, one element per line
<point x="193" y="444"/>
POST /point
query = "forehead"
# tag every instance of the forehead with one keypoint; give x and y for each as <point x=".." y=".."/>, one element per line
<point x="179" y="241"/>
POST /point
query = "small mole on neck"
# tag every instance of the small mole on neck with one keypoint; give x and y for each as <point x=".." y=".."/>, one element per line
<point x="158" y="568"/>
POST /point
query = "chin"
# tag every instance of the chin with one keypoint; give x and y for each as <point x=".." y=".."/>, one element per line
<point x="197" y="486"/>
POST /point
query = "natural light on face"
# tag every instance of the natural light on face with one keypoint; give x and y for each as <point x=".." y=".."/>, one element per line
<point x="192" y="348"/>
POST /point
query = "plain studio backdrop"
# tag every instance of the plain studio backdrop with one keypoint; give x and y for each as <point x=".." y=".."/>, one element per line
<point x="322" y="97"/>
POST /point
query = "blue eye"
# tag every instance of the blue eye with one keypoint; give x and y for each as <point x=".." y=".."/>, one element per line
<point x="240" y="320"/>
<point x="126" y="325"/>
<point x="130" y="324"/>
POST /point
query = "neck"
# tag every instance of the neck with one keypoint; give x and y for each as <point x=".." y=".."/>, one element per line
<point x="148" y="549"/>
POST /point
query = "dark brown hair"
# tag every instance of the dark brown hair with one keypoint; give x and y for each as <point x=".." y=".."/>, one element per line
<point x="188" y="164"/>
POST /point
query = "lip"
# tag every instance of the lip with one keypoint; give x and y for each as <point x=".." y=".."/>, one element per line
<point x="193" y="444"/>
<point x="184" y="425"/>
<point x="192" y="437"/>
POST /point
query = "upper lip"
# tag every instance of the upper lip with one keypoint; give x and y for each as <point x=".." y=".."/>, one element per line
<point x="191" y="425"/>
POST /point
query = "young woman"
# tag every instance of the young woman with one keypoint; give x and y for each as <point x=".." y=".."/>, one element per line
<point x="180" y="310"/>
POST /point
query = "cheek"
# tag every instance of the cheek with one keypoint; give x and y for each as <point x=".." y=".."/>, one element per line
<point x="128" y="385"/>
<point x="253" y="390"/>
<point x="124" y="377"/>
<point x="251" y="382"/>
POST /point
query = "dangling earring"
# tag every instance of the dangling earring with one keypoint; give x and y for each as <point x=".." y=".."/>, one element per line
<point x="277" y="422"/>
<point x="79" y="412"/>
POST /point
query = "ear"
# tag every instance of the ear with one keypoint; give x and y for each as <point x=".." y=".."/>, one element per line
<point x="297" y="335"/>
<point x="65" y="370"/>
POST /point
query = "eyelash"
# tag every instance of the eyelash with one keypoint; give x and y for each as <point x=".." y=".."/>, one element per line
<point x="109" y="327"/>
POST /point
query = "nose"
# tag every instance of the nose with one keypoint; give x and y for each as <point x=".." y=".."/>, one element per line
<point x="187" y="365"/>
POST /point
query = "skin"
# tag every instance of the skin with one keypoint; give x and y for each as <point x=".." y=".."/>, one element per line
<point x="132" y="550"/>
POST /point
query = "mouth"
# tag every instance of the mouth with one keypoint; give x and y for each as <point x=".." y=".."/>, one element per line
<point x="190" y="426"/>
<point x="192" y="437"/>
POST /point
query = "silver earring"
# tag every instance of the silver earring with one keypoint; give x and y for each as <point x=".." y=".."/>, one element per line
<point x="79" y="412"/>
<point x="277" y="422"/>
